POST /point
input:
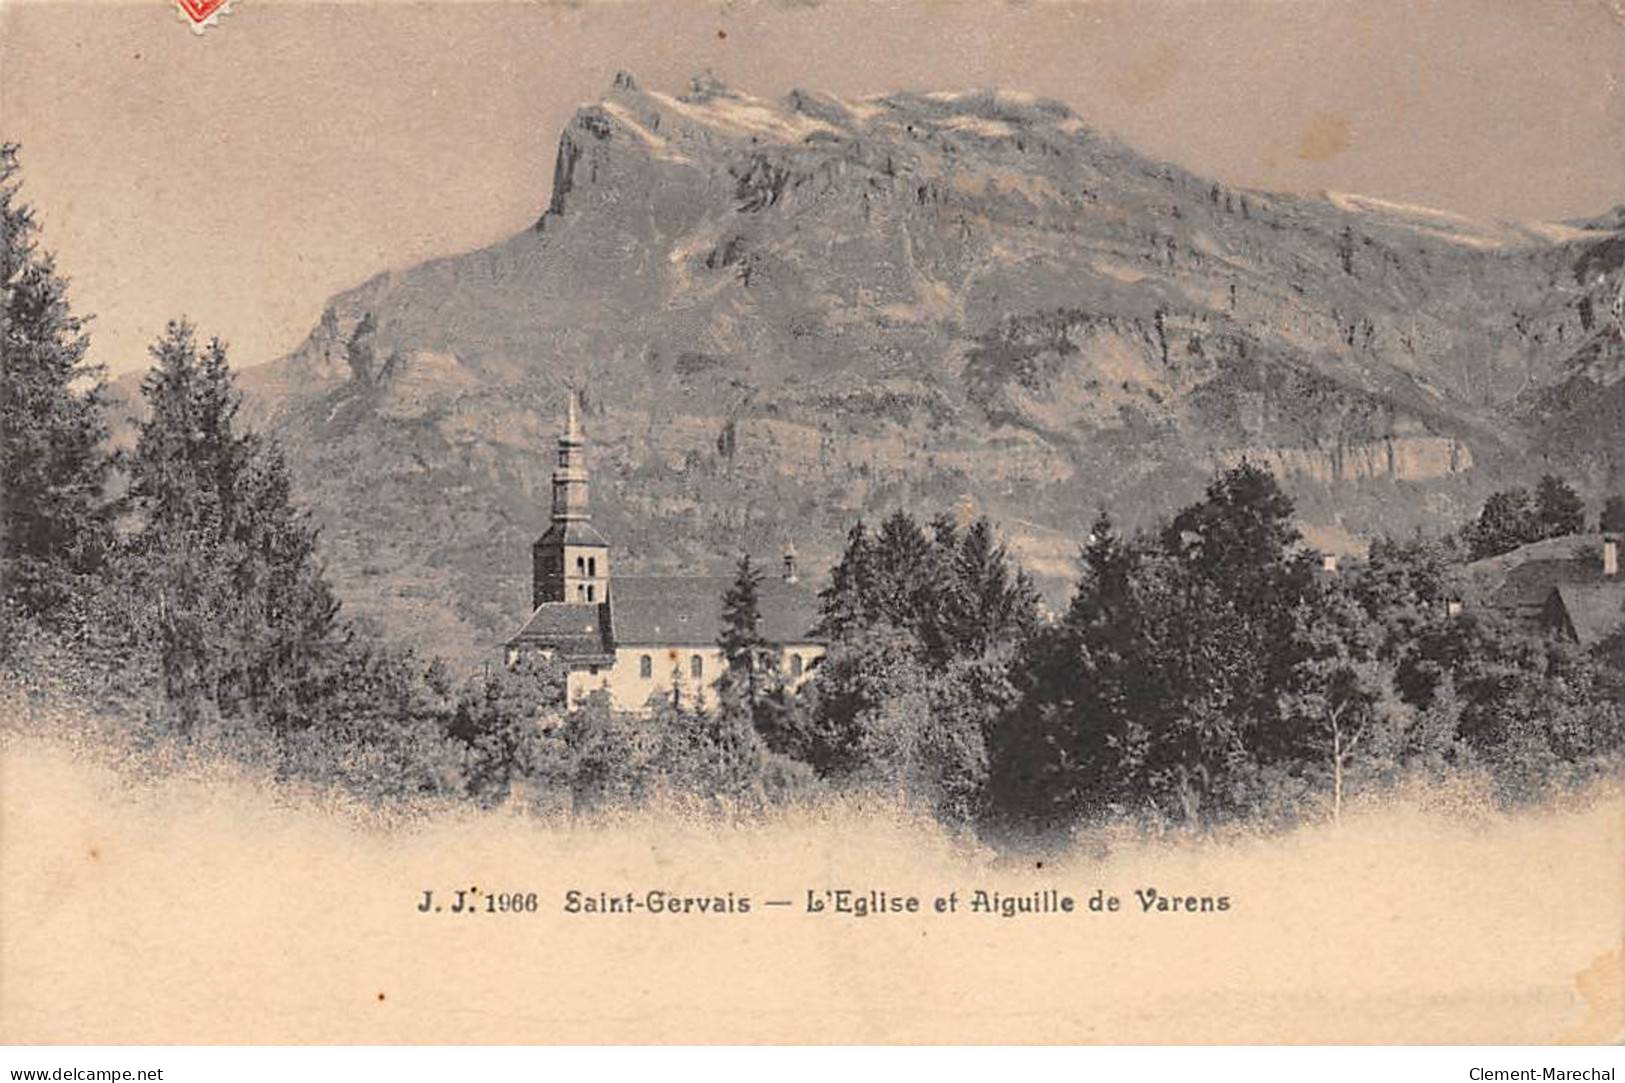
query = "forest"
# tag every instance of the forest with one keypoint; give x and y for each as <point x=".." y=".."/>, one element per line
<point x="1212" y="669"/>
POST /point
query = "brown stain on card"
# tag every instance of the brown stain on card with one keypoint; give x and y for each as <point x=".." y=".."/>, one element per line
<point x="1602" y="986"/>
<point x="1324" y="137"/>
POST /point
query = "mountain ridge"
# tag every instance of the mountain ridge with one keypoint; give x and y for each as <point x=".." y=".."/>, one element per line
<point x="784" y="315"/>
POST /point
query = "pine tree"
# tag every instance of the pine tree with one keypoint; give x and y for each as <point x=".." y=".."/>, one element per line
<point x="844" y="605"/>
<point x="244" y="617"/>
<point x="751" y="661"/>
<point x="907" y="577"/>
<point x="55" y="521"/>
<point x="987" y="605"/>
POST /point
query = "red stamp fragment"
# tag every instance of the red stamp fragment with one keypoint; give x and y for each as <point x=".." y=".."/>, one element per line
<point x="202" y="13"/>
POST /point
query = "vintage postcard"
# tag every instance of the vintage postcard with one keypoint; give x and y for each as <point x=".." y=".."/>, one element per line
<point x="796" y="522"/>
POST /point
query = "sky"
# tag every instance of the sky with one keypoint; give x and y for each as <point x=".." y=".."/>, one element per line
<point x="242" y="176"/>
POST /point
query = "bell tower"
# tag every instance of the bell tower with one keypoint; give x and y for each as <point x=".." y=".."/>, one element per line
<point x="570" y="562"/>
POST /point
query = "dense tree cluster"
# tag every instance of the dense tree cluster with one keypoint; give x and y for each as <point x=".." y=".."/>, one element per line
<point x="922" y="623"/>
<point x="1212" y="669"/>
<point x="1215" y="669"/>
<point x="1514" y="517"/>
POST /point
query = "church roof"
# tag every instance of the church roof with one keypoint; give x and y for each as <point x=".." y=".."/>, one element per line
<point x="664" y="611"/>
<point x="573" y="532"/>
<point x="687" y="610"/>
<point x="577" y="630"/>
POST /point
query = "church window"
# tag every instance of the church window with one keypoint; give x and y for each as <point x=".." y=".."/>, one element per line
<point x="589" y="593"/>
<point x="581" y="564"/>
<point x="646" y="667"/>
<point x="592" y="566"/>
<point x="581" y="593"/>
<point x="696" y="667"/>
<point x="795" y="665"/>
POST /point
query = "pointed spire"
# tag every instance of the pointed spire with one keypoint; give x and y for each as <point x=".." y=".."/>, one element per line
<point x="570" y="479"/>
<point x="572" y="423"/>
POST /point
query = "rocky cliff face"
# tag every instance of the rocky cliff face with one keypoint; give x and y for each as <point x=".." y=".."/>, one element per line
<point x="784" y="315"/>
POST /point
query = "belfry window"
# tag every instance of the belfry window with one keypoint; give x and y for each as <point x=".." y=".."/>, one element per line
<point x="592" y="566"/>
<point x="696" y="667"/>
<point x="646" y="667"/>
<point x="581" y="565"/>
<point x="589" y="592"/>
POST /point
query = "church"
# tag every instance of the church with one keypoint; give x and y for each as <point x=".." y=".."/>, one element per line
<point x="638" y="636"/>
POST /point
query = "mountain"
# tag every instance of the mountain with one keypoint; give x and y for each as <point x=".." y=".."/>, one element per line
<point x="784" y="315"/>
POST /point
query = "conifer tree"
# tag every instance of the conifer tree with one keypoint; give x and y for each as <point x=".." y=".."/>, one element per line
<point x="907" y="577"/>
<point x="844" y="604"/>
<point x="244" y="617"/>
<point x="989" y="606"/>
<point x="54" y="517"/>
<point x="751" y="661"/>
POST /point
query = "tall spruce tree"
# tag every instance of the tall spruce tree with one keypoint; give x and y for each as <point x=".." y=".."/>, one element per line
<point x="55" y="520"/>
<point x="751" y="659"/>
<point x="244" y="617"/>
<point x="990" y="603"/>
<point x="844" y="605"/>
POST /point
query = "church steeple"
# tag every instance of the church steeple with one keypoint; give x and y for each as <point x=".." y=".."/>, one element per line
<point x="570" y="563"/>
<point x="570" y="502"/>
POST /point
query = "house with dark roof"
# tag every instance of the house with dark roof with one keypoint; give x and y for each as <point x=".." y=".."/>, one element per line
<point x="1569" y="586"/>
<point x="1585" y="613"/>
<point x="639" y="636"/>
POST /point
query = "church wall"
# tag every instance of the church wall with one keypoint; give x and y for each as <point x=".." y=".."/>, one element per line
<point x="811" y="654"/>
<point x="669" y="668"/>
